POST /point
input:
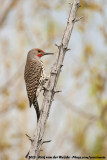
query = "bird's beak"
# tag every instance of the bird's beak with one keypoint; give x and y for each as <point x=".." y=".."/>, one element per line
<point x="48" y="53"/>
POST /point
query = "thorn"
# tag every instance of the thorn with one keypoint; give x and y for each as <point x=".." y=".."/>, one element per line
<point x="61" y="65"/>
<point x="57" y="46"/>
<point x="40" y="140"/>
<point x="73" y="20"/>
<point x="29" y="138"/>
<point x="76" y="20"/>
<point x="27" y="155"/>
<point x="68" y="49"/>
<point x="57" y="91"/>
<point x="46" y="141"/>
<point x="78" y="5"/>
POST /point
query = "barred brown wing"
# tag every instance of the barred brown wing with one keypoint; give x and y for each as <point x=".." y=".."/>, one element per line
<point x="32" y="76"/>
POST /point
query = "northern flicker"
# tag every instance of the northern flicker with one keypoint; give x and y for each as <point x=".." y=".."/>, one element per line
<point x="34" y="76"/>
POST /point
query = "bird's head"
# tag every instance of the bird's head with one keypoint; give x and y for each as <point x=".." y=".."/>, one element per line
<point x="38" y="52"/>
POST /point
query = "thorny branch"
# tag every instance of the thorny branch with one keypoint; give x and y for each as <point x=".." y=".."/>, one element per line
<point x="50" y="91"/>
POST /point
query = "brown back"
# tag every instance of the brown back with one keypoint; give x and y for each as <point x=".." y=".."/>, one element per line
<point x="32" y="76"/>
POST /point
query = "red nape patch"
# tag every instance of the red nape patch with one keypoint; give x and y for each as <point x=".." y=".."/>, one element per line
<point x="39" y="55"/>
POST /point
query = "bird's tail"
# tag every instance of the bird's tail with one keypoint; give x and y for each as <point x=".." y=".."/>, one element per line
<point x="36" y="106"/>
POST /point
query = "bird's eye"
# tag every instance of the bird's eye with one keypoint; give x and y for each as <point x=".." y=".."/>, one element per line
<point x="39" y="51"/>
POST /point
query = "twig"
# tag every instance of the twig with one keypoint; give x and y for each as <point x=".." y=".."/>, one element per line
<point x="49" y="92"/>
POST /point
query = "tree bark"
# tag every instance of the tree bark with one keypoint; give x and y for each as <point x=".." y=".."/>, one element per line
<point x="49" y="93"/>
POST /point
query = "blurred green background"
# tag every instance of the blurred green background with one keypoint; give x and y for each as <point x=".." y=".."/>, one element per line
<point x="77" y="124"/>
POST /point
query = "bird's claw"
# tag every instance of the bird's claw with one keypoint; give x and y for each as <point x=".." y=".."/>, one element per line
<point x="47" y="78"/>
<point x="44" y="89"/>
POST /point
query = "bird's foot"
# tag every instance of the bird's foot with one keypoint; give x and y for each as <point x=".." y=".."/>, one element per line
<point x="47" y="78"/>
<point x="44" y="89"/>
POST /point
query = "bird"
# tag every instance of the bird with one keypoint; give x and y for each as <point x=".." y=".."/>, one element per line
<point x="34" y="76"/>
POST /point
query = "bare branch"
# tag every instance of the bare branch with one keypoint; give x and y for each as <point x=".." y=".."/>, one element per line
<point x="49" y="92"/>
